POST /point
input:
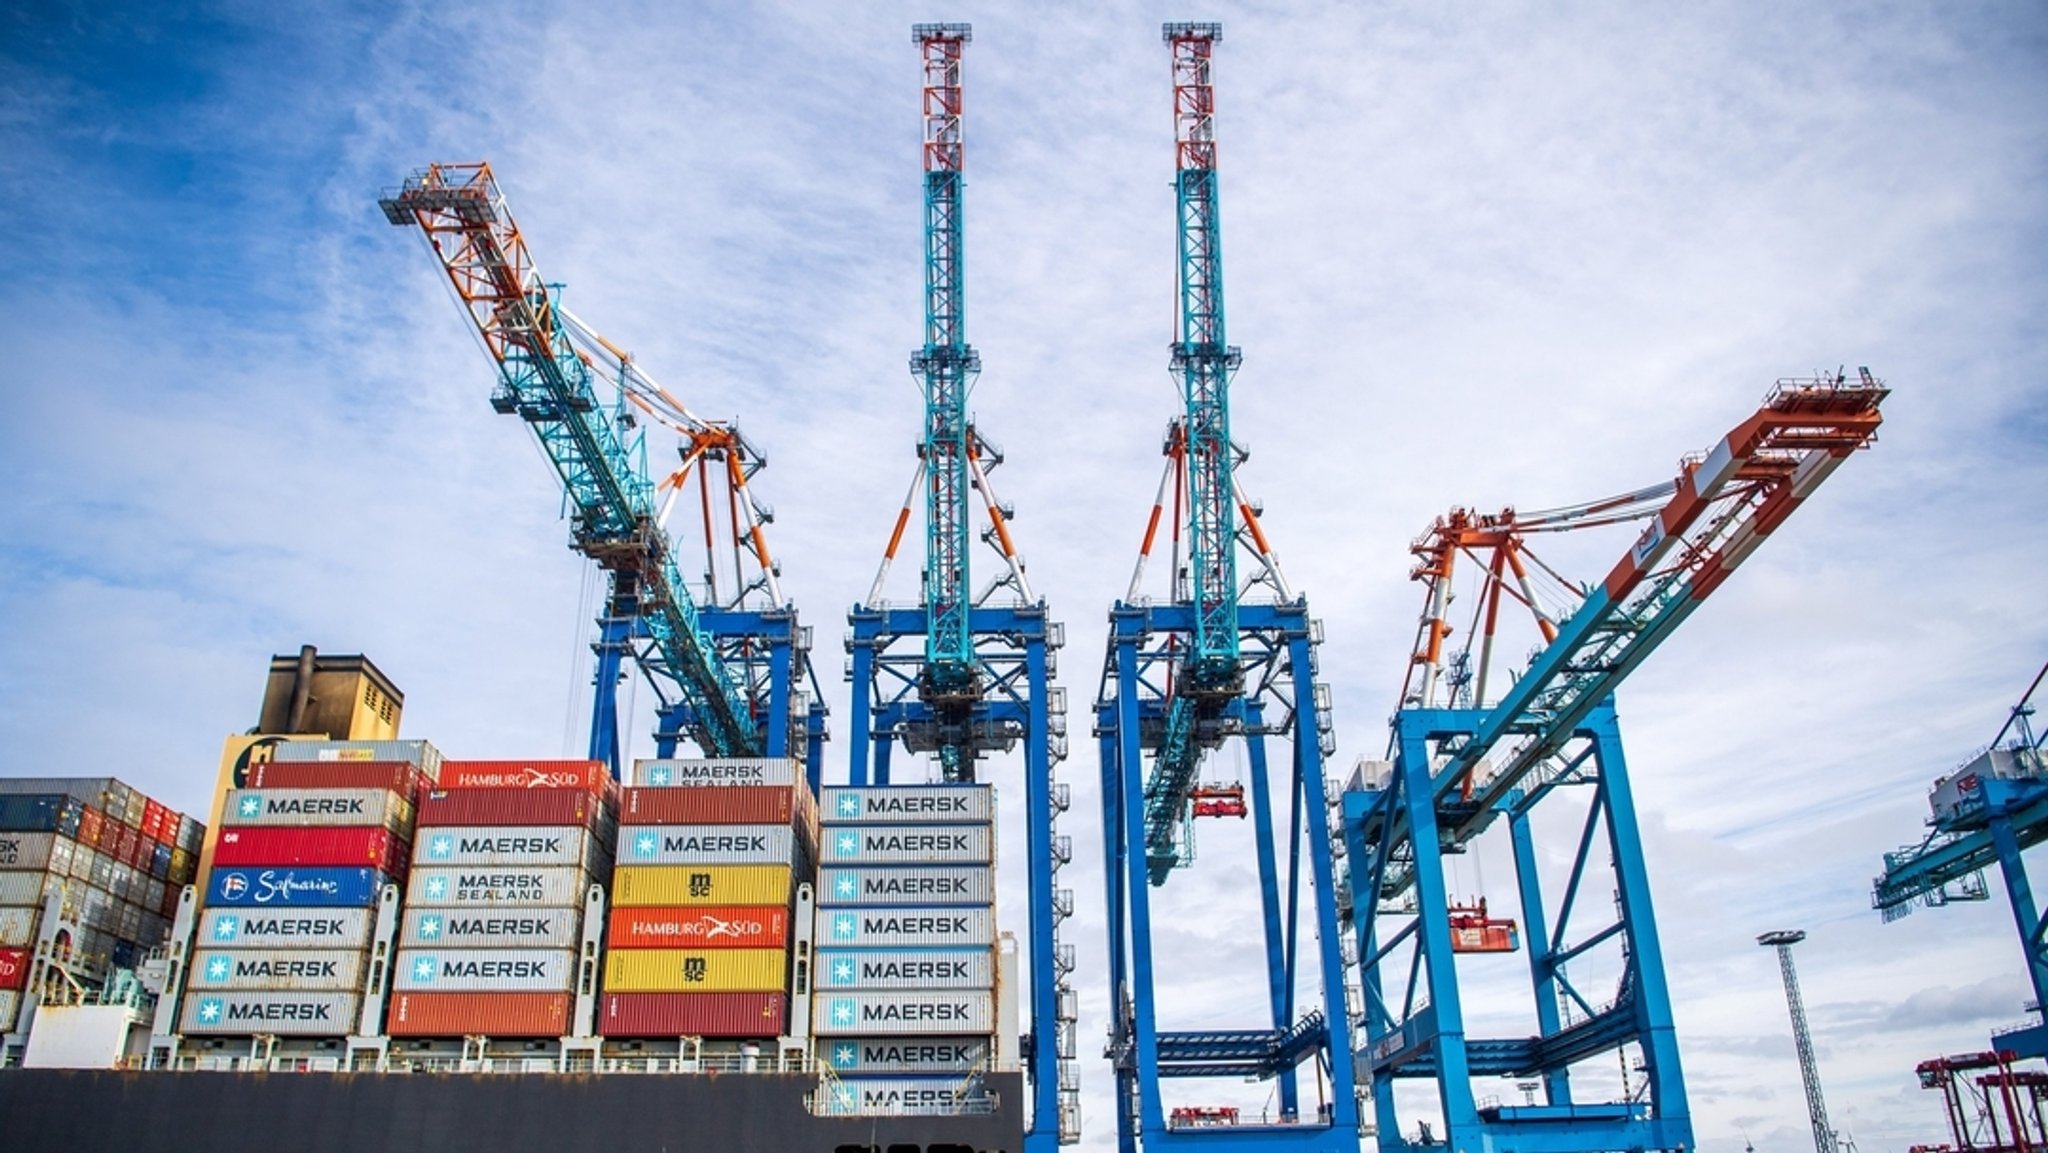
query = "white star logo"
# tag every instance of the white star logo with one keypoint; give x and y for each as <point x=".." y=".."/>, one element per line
<point x="251" y="806"/>
<point x="430" y="927"/>
<point x="842" y="1012"/>
<point x="842" y="972"/>
<point x="845" y="1055"/>
<point x="423" y="970"/>
<point x="849" y="844"/>
<point x="226" y="926"/>
<point x="209" y="1010"/>
<point x="217" y="969"/>
<point x="849" y="805"/>
<point x="644" y="844"/>
<point x="658" y="777"/>
<point x="843" y="926"/>
<point x="441" y="846"/>
<point x="437" y="886"/>
<point x="844" y="886"/>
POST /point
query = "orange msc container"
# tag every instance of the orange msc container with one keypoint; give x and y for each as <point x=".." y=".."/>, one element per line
<point x="715" y="927"/>
<point x="489" y="1014"/>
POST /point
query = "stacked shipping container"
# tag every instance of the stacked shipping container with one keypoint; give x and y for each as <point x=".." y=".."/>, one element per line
<point x="304" y="850"/>
<point x="906" y="964"/>
<point x="114" y="858"/>
<point x="710" y="853"/>
<point x="491" y="937"/>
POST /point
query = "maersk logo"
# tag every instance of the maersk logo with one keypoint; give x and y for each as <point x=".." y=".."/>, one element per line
<point x="218" y="969"/>
<point x="227" y="927"/>
<point x="252" y="806"/>
<point x="846" y="844"/>
<point x="842" y="971"/>
<point x="646" y="845"/>
<point x="441" y="847"/>
<point x="210" y="1010"/>
<point x="845" y="925"/>
<point x="437" y="887"/>
<point x="430" y="928"/>
<point x="658" y="776"/>
<point x="843" y="1011"/>
<point x="845" y="1055"/>
<point x="846" y="887"/>
<point x="849" y="805"/>
<point x="424" y="969"/>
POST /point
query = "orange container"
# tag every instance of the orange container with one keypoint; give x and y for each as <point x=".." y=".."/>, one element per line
<point x="713" y="927"/>
<point x="467" y="1014"/>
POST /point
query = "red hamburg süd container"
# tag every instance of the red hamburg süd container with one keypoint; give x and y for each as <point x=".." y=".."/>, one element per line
<point x="734" y="805"/>
<point x="375" y="848"/>
<point x="489" y="1014"/>
<point x="692" y="1014"/>
<point x="401" y="777"/>
<point x="590" y="776"/>
<point x="509" y="807"/>
<point x="737" y="927"/>
<point x="13" y="969"/>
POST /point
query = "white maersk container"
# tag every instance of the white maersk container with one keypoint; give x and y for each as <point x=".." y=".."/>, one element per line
<point x="19" y="887"/>
<point x="901" y="1014"/>
<point x="874" y="1056"/>
<point x="301" y="970"/>
<point x="904" y="968"/>
<point x="908" y="845"/>
<point x="304" y="808"/>
<point x="905" y="1096"/>
<point x="707" y="845"/>
<point x="18" y="926"/>
<point x="891" y="926"/>
<point x="493" y="928"/>
<point x="487" y="886"/>
<point x="285" y="928"/>
<point x="908" y="885"/>
<point x="537" y="846"/>
<point x="32" y="851"/>
<point x="277" y="1013"/>
<point x="909" y="805"/>
<point x="483" y="970"/>
<point x="741" y="771"/>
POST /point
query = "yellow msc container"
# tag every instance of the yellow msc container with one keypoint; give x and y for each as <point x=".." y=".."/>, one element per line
<point x="696" y="971"/>
<point x="700" y="885"/>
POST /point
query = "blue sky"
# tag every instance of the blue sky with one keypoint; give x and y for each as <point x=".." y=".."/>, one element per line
<point x="1476" y="254"/>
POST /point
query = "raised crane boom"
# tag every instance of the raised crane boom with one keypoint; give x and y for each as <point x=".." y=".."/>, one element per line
<point x="546" y="381"/>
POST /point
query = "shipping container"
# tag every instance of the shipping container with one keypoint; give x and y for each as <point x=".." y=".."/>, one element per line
<point x="184" y="864"/>
<point x="894" y="1055"/>
<point x="92" y="826"/>
<point x="486" y="886"/>
<point x="478" y="1014"/>
<point x="534" y="845"/>
<point x="902" y="1014"/>
<point x="910" y="805"/>
<point x="32" y="850"/>
<point x="374" y="847"/>
<point x="493" y="929"/>
<point x="712" y="927"/>
<point x="654" y="885"/>
<point x="191" y="835"/>
<point x="754" y="771"/>
<point x="83" y="861"/>
<point x="13" y="968"/>
<point x="894" y="926"/>
<point x="301" y="970"/>
<point x="10" y="1008"/>
<point x="696" y="970"/>
<point x="40" y="813"/>
<point x="318" y="888"/>
<point x="285" y="928"/>
<point x="280" y="1014"/>
<point x="317" y="807"/>
<point x="444" y="806"/>
<point x="743" y="805"/>
<point x="18" y="926"/>
<point x="708" y="845"/>
<point x="401" y="777"/>
<point x="759" y="1015"/>
<point x="484" y="970"/>
<point x="27" y="888"/>
<point x="421" y="753"/>
<point x="904" y="968"/>
<point x="909" y="845"/>
<point x="160" y="862"/>
<point x="903" y="1096"/>
<point x="590" y="777"/>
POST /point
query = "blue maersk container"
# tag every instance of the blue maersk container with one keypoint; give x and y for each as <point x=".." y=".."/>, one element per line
<point x="290" y="887"/>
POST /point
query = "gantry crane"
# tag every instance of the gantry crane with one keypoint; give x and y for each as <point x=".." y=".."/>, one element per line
<point x="962" y="674"/>
<point x="1988" y="810"/>
<point x="1464" y="757"/>
<point x="1212" y="662"/>
<point x="729" y="662"/>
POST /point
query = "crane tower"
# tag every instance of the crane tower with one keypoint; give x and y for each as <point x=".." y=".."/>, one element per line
<point x="1802" y="1038"/>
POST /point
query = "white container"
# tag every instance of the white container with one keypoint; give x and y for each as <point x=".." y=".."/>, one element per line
<point x="18" y="927"/>
<point x="909" y="805"/>
<point x="903" y="1096"/>
<point x="907" y="885"/>
<point x="278" y="1013"/>
<point x="484" y="970"/>
<point x="867" y="1056"/>
<point x="284" y="928"/>
<point x="706" y="845"/>
<point x="898" y="926"/>
<point x="28" y="850"/>
<point x="903" y="969"/>
<point x="908" y="845"/>
<point x="877" y="1014"/>
<point x="20" y="887"/>
<point x="302" y="808"/>
<point x="511" y="845"/>
<point x="420" y="753"/>
<point x="493" y="928"/>
<point x="299" y="970"/>
<point x="671" y="773"/>
<point x="489" y="887"/>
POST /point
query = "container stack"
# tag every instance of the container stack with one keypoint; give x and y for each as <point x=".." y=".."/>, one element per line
<point x="285" y="931"/>
<point x="710" y="854"/>
<point x="906" y="934"/>
<point x="114" y="858"/>
<point x="493" y="921"/>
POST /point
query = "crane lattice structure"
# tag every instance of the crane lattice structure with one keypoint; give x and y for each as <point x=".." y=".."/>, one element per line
<point x="1989" y="810"/>
<point x="1216" y="660"/>
<point x="1802" y="1038"/>
<point x="728" y="661"/>
<point x="1463" y="757"/>
<point x="961" y="675"/>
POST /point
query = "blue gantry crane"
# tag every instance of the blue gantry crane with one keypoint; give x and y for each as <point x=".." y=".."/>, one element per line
<point x="963" y="674"/>
<point x="1224" y="657"/>
<point x="731" y="672"/>
<point x="1546" y="754"/>
<point x="1988" y="810"/>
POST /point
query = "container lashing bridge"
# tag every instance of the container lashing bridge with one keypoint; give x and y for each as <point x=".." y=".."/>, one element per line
<point x="1462" y="758"/>
<point x="1226" y="656"/>
<point x="961" y="674"/>
<point x="727" y="660"/>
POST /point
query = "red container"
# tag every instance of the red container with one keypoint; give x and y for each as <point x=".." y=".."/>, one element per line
<point x="353" y="846"/>
<point x="734" y="805"/>
<point x="13" y="969"/>
<point x="590" y="776"/>
<point x="153" y="814"/>
<point x="401" y="777"/>
<point x="170" y="906"/>
<point x="92" y="824"/>
<point x="509" y="807"/>
<point x="489" y="1014"/>
<point x="691" y="1014"/>
<point x="134" y="851"/>
<point x="717" y="927"/>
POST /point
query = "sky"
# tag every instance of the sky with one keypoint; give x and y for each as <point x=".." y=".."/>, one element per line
<point x="1476" y="254"/>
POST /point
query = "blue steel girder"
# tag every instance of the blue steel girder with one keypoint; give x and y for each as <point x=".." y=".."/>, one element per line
<point x="947" y="364"/>
<point x="1957" y="849"/>
<point x="1205" y="361"/>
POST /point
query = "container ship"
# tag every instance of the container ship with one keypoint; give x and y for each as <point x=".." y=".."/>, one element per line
<point x="368" y="944"/>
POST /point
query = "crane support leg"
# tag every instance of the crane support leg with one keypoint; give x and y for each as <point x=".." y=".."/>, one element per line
<point x="1279" y="970"/>
<point x="2033" y="1040"/>
<point x="614" y="632"/>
